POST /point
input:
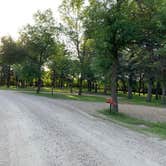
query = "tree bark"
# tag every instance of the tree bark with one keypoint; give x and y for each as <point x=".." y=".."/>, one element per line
<point x="80" y="86"/>
<point x="114" y="76"/>
<point x="96" y="87"/>
<point x="157" y="90"/>
<point x="149" y="95"/>
<point x="130" y="87"/>
<point x="22" y="84"/>
<point x="17" y="82"/>
<point x="71" y="86"/>
<point x="143" y="88"/>
<point x="105" y="89"/>
<point x="53" y="82"/>
<point x="140" y="84"/>
<point x="39" y="81"/>
<point x="61" y="83"/>
<point x="39" y="85"/>
<point x="163" y="98"/>
<point x="124" y="86"/>
<point x="8" y="77"/>
<point x="52" y="91"/>
<point x="89" y="85"/>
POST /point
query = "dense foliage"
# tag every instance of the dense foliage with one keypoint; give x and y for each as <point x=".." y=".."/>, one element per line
<point x="102" y="45"/>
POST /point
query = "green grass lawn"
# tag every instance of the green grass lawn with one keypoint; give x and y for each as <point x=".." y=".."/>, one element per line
<point x="65" y="94"/>
<point x="68" y="96"/>
<point x="17" y="89"/>
<point x="139" y="100"/>
<point x="136" y="124"/>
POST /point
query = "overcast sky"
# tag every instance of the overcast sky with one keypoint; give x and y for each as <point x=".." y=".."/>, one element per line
<point x="16" y="13"/>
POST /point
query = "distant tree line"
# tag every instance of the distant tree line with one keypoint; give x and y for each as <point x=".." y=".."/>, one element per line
<point x="104" y="44"/>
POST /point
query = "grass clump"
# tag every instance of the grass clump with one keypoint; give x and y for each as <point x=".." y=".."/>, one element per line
<point x="157" y="128"/>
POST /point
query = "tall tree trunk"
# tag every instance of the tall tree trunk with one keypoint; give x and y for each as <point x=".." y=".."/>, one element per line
<point x="124" y="86"/>
<point x="114" y="76"/>
<point x="89" y="85"/>
<point x="143" y="88"/>
<point x="52" y="91"/>
<point x="105" y="85"/>
<point x="140" y="84"/>
<point x="8" y="77"/>
<point x="61" y="83"/>
<point x="71" y="86"/>
<point x="17" y="82"/>
<point x="22" y="83"/>
<point x="39" y="81"/>
<point x="149" y="95"/>
<point x="53" y="82"/>
<point x="80" y="86"/>
<point x="96" y="87"/>
<point x="157" y="90"/>
<point x="105" y="89"/>
<point x="93" y="86"/>
<point x="163" y="98"/>
<point x="130" y="87"/>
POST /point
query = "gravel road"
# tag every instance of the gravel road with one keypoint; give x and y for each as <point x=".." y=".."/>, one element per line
<point x="37" y="131"/>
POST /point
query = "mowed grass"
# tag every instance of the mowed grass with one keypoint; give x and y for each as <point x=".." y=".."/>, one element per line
<point x="156" y="128"/>
<point x="65" y="94"/>
<point x="140" y="100"/>
<point x="13" y="88"/>
<point x="59" y="94"/>
<point x="136" y="100"/>
<point x="68" y="96"/>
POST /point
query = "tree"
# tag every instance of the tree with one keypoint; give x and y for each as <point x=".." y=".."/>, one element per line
<point x="128" y="67"/>
<point x="72" y="15"/>
<point x="149" y="37"/>
<point x="59" y="64"/>
<point x="161" y="52"/>
<point x="39" y="39"/>
<point x="112" y="26"/>
<point x="25" y="72"/>
<point x="161" y="71"/>
<point x="11" y="53"/>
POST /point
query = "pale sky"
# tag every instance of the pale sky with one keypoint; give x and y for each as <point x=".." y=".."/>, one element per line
<point x="16" y="13"/>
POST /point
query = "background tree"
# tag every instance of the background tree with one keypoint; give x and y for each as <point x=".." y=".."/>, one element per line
<point x="10" y="53"/>
<point x="149" y="37"/>
<point x="39" y="39"/>
<point x="60" y="65"/>
<point x="72" y="15"/>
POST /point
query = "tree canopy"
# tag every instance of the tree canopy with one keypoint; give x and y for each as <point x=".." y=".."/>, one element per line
<point x="99" y="45"/>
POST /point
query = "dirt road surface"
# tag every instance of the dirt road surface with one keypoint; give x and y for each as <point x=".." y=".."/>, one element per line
<point x="37" y="131"/>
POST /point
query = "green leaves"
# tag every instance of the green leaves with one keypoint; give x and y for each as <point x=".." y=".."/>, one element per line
<point x="40" y="37"/>
<point x="11" y="52"/>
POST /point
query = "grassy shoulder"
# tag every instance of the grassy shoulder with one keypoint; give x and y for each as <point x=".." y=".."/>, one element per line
<point x="136" y="100"/>
<point x="68" y="96"/>
<point x="156" y="128"/>
<point x="59" y="94"/>
<point x="65" y="94"/>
